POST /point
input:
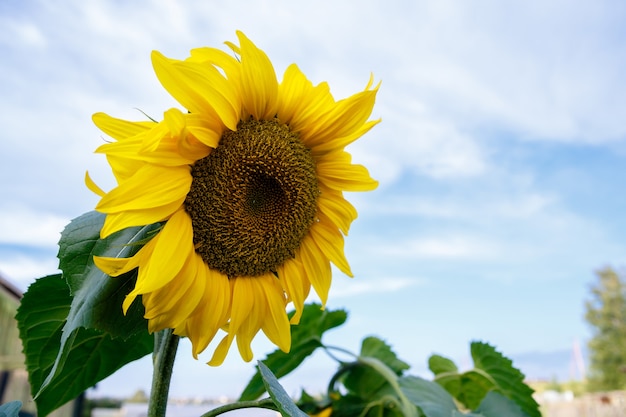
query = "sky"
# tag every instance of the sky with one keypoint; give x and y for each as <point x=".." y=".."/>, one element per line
<point x="501" y="157"/>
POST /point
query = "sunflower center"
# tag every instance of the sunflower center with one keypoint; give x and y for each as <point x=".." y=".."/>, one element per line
<point x="253" y="199"/>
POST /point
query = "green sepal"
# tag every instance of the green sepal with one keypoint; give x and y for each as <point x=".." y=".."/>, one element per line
<point x="306" y="337"/>
<point x="282" y="400"/>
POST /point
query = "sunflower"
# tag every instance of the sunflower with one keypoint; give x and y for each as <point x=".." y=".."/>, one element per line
<point x="248" y="183"/>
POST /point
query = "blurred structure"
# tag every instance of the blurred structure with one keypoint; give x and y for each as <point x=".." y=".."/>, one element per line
<point x="13" y="375"/>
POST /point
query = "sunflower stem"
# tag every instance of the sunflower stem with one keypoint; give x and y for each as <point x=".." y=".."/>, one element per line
<point x="267" y="403"/>
<point x="165" y="345"/>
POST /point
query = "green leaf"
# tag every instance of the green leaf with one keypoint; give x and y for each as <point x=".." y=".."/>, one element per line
<point x="440" y="365"/>
<point x="10" y="409"/>
<point x="351" y="405"/>
<point x="430" y="397"/>
<point x="497" y="405"/>
<point x="365" y="381"/>
<point x="474" y="385"/>
<point x="376" y="348"/>
<point x="305" y="338"/>
<point x="285" y="404"/>
<point x="89" y="356"/>
<point x="97" y="298"/>
<point x="508" y="379"/>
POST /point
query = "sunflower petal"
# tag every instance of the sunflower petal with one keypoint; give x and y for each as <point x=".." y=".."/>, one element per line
<point x="335" y="171"/>
<point x="330" y="241"/>
<point x="199" y="87"/>
<point x="93" y="187"/>
<point x="151" y="186"/>
<point x="317" y="268"/>
<point x="120" y="129"/>
<point x="296" y="286"/>
<point x="259" y="87"/>
<point x="336" y="208"/>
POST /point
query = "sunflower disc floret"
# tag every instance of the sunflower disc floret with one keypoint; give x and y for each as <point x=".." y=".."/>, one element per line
<point x="248" y="181"/>
<point x="253" y="199"/>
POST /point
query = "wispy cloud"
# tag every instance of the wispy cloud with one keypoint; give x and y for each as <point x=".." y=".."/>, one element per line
<point x="25" y="226"/>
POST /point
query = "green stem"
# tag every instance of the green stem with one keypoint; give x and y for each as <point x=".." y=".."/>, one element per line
<point x="165" y="345"/>
<point x="264" y="403"/>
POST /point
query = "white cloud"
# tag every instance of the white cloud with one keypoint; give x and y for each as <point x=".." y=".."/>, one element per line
<point x="22" y="270"/>
<point x="24" y="226"/>
<point x="350" y="287"/>
<point x="21" y="32"/>
<point x="456" y="247"/>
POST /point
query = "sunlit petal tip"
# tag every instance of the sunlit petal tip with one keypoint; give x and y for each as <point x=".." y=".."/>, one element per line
<point x="92" y="186"/>
<point x="114" y="266"/>
<point x="128" y="301"/>
<point x="221" y="351"/>
<point x="234" y="47"/>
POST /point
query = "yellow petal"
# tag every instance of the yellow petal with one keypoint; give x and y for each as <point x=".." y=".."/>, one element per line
<point x="119" y="129"/>
<point x="207" y="131"/>
<point x="300" y="101"/>
<point x="173" y="247"/>
<point x="115" y="222"/>
<point x="178" y="298"/>
<point x="259" y="87"/>
<point x="201" y="88"/>
<point x="151" y="186"/>
<point x="337" y="208"/>
<point x="335" y="171"/>
<point x="212" y="311"/>
<point x="334" y="144"/>
<point x="276" y="324"/>
<point x="317" y="268"/>
<point x="344" y="119"/>
<point x="330" y="241"/>
<point x="296" y="286"/>
<point x="221" y="351"/>
<point x="93" y="187"/>
<point x="123" y="168"/>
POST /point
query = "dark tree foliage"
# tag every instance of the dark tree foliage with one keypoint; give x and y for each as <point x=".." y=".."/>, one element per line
<point x="606" y="313"/>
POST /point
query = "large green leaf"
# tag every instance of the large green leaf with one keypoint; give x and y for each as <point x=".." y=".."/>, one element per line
<point x="97" y="298"/>
<point x="89" y="357"/>
<point x="492" y="372"/>
<point x="475" y="384"/>
<point x="305" y="338"/>
<point x="365" y="381"/>
<point x="509" y="380"/>
<point x="430" y="397"/>
<point x="497" y="405"/>
<point x="282" y="400"/>
<point x="441" y="365"/>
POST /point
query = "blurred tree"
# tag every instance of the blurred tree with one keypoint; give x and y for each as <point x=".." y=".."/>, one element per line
<point x="606" y="313"/>
<point x="139" y="396"/>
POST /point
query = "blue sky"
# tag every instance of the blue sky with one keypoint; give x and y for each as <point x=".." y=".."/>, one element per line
<point x="500" y="156"/>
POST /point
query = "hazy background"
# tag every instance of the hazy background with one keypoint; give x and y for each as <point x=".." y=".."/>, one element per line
<point x="500" y="158"/>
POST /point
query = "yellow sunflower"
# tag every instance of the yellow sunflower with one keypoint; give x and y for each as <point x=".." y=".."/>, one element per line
<point x="249" y="183"/>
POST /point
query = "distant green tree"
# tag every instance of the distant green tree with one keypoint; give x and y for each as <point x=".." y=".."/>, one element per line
<point x="606" y="313"/>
